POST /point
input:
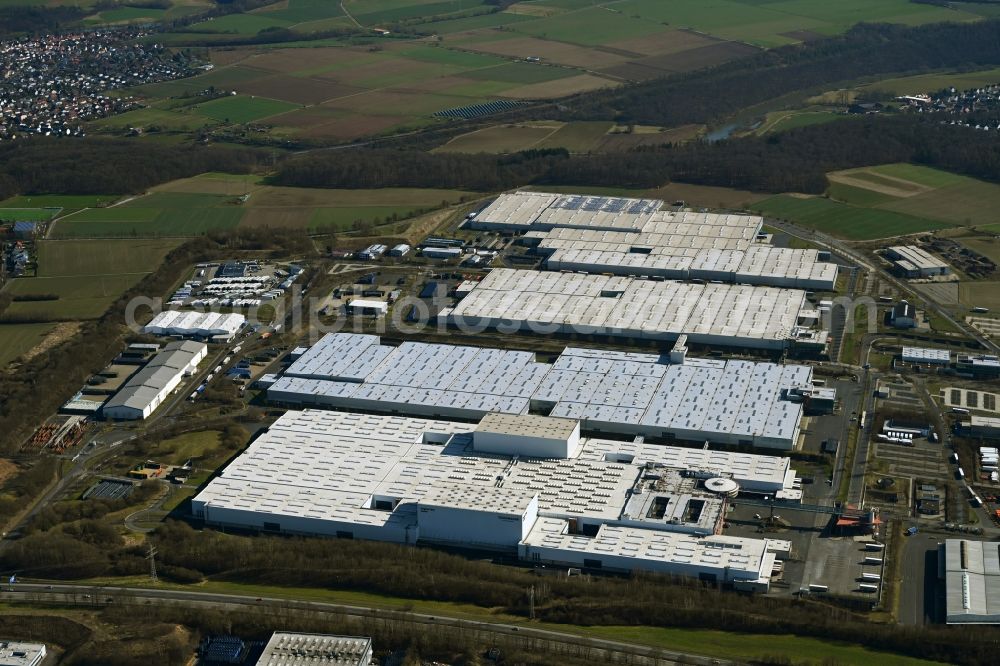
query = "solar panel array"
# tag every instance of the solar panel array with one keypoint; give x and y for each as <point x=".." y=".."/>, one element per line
<point x="479" y="110"/>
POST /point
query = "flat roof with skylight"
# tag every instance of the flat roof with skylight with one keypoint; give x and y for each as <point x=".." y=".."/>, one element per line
<point x="406" y="480"/>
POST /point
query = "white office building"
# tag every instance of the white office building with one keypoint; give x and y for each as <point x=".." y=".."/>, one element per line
<point x="723" y="401"/>
<point x="612" y="505"/>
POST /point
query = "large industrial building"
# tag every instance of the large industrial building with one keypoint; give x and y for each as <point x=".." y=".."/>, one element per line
<point x="636" y="237"/>
<point x="21" y="654"/>
<point x="670" y="396"/>
<point x="294" y="649"/>
<point x="971" y="571"/>
<point x="505" y="485"/>
<point x="714" y="314"/>
<point x="214" y="326"/>
<point x="915" y="262"/>
<point x="149" y="387"/>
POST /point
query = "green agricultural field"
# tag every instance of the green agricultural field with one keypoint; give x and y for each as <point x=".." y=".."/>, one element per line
<point x="302" y="11"/>
<point x="239" y="24"/>
<point x="379" y="12"/>
<point x="920" y="174"/>
<point x="16" y="339"/>
<point x="501" y="138"/>
<point x="101" y="257"/>
<point x="87" y="276"/>
<point x="129" y="14"/>
<point x="857" y="196"/>
<point x="64" y="201"/>
<point x="478" y="22"/>
<point x="780" y="22"/>
<point x="452" y="57"/>
<point x="26" y="214"/>
<point x="846" y="221"/>
<point x="912" y="85"/>
<point x="243" y="109"/>
<point x="344" y="218"/>
<point x="577" y="137"/>
<point x="591" y="27"/>
<point x="80" y="297"/>
<point x="157" y="214"/>
<point x="919" y="191"/>
<point x="786" y="120"/>
<point x="522" y="73"/>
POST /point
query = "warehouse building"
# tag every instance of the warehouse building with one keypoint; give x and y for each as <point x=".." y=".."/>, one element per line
<point x="980" y="366"/>
<point x="712" y="314"/>
<point x="609" y="505"/>
<point x="15" y="653"/>
<point x="913" y="261"/>
<point x="149" y="387"/>
<point x="971" y="571"/>
<point x="294" y="649"/>
<point x="362" y="306"/>
<point x="924" y="355"/>
<point x="214" y="326"/>
<point x="680" y="398"/>
<point x="635" y="237"/>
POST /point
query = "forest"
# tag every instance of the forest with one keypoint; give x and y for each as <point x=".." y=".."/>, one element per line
<point x="108" y="166"/>
<point x="792" y="161"/>
<point x="867" y="50"/>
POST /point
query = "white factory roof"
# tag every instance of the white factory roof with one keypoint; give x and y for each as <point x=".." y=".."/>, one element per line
<point x="918" y="257"/>
<point x="972" y="581"/>
<point x="17" y="653"/>
<point x="294" y="649"/>
<point x="638" y="393"/>
<point x="318" y="464"/>
<point x="635" y="237"/>
<point x="147" y="385"/>
<point x="926" y="355"/>
<point x="328" y="465"/>
<point x="718" y="313"/>
<point x="203" y="324"/>
<point x="527" y="425"/>
<point x="743" y="558"/>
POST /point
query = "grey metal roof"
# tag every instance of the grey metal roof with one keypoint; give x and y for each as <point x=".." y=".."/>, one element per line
<point x="709" y="398"/>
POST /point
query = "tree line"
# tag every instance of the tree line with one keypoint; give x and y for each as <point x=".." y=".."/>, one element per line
<point x="793" y="161"/>
<point x="109" y="166"/>
<point x="188" y="555"/>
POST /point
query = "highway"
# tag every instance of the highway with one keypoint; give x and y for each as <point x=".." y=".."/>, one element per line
<point x="598" y="650"/>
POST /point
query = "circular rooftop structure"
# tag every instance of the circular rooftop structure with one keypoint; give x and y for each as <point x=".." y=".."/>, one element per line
<point x="722" y="486"/>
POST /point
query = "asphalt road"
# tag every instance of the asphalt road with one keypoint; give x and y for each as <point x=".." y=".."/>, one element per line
<point x="97" y="596"/>
<point x="918" y="597"/>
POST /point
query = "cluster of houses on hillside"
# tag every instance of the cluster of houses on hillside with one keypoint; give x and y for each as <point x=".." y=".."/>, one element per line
<point x="976" y="107"/>
<point x="50" y="85"/>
